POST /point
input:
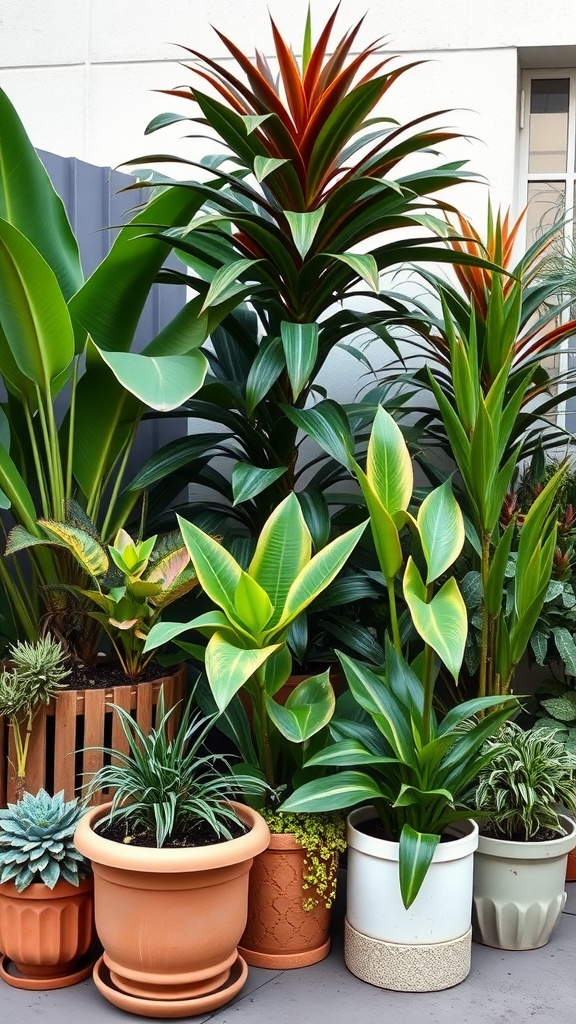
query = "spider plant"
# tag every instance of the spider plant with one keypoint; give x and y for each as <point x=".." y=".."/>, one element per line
<point x="168" y="786"/>
<point x="519" y="790"/>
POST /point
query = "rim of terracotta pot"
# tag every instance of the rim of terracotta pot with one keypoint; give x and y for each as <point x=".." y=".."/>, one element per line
<point x="40" y="891"/>
<point x="546" y="849"/>
<point x="190" y="858"/>
<point x="465" y="839"/>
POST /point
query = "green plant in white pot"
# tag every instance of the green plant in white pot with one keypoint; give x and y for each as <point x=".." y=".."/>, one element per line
<point x="392" y="750"/>
<point x="247" y="652"/>
<point x="524" y="841"/>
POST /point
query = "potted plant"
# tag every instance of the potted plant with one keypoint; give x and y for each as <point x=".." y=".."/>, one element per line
<point x="248" y="651"/>
<point x="171" y="855"/>
<point x="524" y="842"/>
<point x="33" y="677"/>
<point x="46" y="894"/>
<point x="409" y="894"/>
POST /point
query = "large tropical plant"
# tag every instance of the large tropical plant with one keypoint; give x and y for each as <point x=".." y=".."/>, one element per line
<point x="391" y="748"/>
<point x="75" y="392"/>
<point x="247" y="635"/>
<point x="314" y="205"/>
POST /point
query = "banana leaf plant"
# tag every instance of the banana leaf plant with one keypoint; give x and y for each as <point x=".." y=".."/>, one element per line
<point x="131" y="581"/>
<point x="247" y="635"/>
<point x="68" y="341"/>
<point x="389" y="748"/>
<point x="315" y="204"/>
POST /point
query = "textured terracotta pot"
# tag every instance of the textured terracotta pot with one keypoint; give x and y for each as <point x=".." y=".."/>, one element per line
<point x="170" y="919"/>
<point x="280" y="934"/>
<point x="46" y="932"/>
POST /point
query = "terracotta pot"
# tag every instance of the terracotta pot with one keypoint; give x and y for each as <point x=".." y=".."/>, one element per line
<point x="46" y="933"/>
<point x="280" y="934"/>
<point x="170" y="919"/>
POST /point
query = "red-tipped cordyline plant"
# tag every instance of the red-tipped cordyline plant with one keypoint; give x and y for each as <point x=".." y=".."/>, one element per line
<point x="310" y="202"/>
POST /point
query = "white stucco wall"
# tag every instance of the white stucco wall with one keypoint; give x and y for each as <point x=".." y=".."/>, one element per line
<point x="82" y="73"/>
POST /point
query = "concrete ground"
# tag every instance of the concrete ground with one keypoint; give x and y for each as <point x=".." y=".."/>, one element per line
<point x="537" y="987"/>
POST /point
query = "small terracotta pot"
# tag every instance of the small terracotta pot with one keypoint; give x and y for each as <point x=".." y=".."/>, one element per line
<point x="46" y="932"/>
<point x="170" y="919"/>
<point x="280" y="934"/>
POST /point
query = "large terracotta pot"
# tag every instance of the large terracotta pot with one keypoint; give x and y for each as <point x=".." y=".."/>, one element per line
<point x="170" y="919"/>
<point x="45" y="933"/>
<point x="280" y="934"/>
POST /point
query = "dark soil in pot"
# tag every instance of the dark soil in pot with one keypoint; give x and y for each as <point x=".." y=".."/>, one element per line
<point x="198" y="833"/>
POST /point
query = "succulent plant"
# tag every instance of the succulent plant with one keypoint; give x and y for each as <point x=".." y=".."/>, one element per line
<point x="36" y="841"/>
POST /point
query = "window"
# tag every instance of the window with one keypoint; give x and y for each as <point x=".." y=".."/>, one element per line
<point x="548" y="174"/>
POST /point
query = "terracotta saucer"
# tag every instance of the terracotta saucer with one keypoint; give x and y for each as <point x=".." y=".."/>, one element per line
<point x="170" y="1007"/>
<point x="13" y="977"/>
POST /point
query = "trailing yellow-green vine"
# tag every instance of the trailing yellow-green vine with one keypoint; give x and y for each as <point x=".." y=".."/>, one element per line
<point x="323" y="837"/>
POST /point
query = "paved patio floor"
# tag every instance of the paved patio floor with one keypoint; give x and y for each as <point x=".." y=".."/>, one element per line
<point x="537" y="987"/>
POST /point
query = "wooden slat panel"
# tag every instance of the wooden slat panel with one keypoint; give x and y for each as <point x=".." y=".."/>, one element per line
<point x="94" y="709"/>
<point x="124" y="697"/>
<point x="36" y="761"/>
<point x="144" y="707"/>
<point x="65" y="743"/>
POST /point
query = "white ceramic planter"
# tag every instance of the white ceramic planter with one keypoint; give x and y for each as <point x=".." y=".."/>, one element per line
<point x="426" y="947"/>
<point x="519" y="889"/>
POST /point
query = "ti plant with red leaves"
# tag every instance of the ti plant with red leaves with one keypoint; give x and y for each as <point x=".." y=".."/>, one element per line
<point x="314" y="203"/>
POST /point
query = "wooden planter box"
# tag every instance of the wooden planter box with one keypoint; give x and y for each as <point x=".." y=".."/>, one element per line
<point x="78" y="719"/>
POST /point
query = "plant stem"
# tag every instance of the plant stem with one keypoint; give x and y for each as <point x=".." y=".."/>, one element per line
<point x="71" y="426"/>
<point x="484" y="682"/>
<point x="264" y="739"/>
<point x="46" y="509"/>
<point x="394" y="616"/>
<point x="118" y="482"/>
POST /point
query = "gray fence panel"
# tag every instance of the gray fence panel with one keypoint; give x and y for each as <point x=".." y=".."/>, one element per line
<point x="97" y="208"/>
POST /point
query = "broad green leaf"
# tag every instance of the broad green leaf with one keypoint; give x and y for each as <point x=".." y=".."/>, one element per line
<point x="388" y="465"/>
<point x="228" y="667"/>
<point x="30" y="203"/>
<point x="384" y="530"/>
<point x="161" y="382"/>
<point x="248" y="481"/>
<point x="282" y="552"/>
<point x="347" y="753"/>
<point x="363" y="264"/>
<point x="308" y="709"/>
<point x="320" y="571"/>
<point x="218" y="573"/>
<point x="163" y="632"/>
<point x="163" y="121"/>
<point x="442" y="623"/>
<point x="566" y="648"/>
<point x="252" y="606"/>
<point x="224" y="283"/>
<point x="17" y="493"/>
<point x="34" y="318"/>
<point x="110" y="303"/>
<point x="276" y="670"/>
<point x="413" y="796"/>
<point x="303" y="228"/>
<point x="265" y="165"/>
<point x="346" y="789"/>
<point x="493" y="597"/>
<point x="300" y="343"/>
<point x="253" y="121"/>
<point x="264" y="372"/>
<point x="415" y="856"/>
<point x="441" y="529"/>
<point x="328" y="425"/>
<point x="392" y="716"/>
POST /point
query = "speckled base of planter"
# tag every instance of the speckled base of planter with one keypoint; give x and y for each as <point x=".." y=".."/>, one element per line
<point x="422" y="967"/>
